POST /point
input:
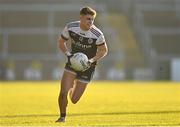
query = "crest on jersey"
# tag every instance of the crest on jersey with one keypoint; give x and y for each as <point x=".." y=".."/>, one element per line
<point x="90" y="41"/>
<point x="80" y="38"/>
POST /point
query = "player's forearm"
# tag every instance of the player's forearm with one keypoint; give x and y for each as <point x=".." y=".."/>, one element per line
<point x="101" y="52"/>
<point x="98" y="56"/>
<point x="62" y="46"/>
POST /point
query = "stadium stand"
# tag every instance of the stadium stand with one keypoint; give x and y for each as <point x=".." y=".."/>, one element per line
<point x="171" y="43"/>
<point x="1" y="34"/>
<point x="167" y="19"/>
<point x="162" y="27"/>
<point x="64" y="17"/>
<point x="30" y="44"/>
<point x="16" y="19"/>
<point x="127" y="43"/>
<point x="1" y="43"/>
<point x="156" y="26"/>
<point x="145" y="35"/>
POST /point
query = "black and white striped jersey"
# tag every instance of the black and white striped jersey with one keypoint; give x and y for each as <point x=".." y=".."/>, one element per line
<point x="83" y="41"/>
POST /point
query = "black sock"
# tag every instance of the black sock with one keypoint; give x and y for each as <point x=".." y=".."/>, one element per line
<point x="63" y="114"/>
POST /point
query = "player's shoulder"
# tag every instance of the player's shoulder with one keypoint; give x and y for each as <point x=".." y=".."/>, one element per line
<point x="96" y="31"/>
<point x="73" y="24"/>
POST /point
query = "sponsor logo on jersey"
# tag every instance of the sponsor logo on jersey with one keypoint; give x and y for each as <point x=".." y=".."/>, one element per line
<point x="90" y="41"/>
<point x="78" y="44"/>
<point x="82" y="46"/>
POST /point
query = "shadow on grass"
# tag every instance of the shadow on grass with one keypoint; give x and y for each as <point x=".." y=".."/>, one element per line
<point x="90" y="114"/>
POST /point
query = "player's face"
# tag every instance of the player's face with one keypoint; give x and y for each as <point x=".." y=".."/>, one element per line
<point x="86" y="21"/>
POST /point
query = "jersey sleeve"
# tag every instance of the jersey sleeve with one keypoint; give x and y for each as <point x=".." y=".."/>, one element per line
<point x="100" y="40"/>
<point x="65" y="33"/>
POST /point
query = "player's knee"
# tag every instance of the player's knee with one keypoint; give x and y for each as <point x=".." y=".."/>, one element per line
<point x="74" y="100"/>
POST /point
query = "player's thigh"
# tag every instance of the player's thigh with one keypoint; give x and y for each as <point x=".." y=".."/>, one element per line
<point x="78" y="90"/>
<point x="67" y="80"/>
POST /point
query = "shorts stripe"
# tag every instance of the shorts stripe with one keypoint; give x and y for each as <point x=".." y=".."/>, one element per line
<point x="83" y="81"/>
<point x="72" y="72"/>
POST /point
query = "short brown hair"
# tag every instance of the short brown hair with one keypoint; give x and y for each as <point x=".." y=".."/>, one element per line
<point x="87" y="10"/>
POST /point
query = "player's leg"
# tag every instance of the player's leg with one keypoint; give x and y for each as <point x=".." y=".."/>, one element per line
<point x="83" y="78"/>
<point x="66" y="83"/>
<point x="77" y="91"/>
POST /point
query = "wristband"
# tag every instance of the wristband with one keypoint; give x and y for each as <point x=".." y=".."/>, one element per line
<point x="91" y="60"/>
<point x="67" y="53"/>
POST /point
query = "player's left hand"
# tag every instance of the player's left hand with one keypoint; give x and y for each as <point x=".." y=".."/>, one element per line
<point x="89" y="63"/>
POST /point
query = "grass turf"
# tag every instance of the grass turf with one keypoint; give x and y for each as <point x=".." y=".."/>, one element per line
<point x="103" y="104"/>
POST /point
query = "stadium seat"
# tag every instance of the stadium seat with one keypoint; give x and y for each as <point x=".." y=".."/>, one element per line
<point x="161" y="19"/>
<point x="166" y="44"/>
<point x="31" y="44"/>
<point x="24" y="19"/>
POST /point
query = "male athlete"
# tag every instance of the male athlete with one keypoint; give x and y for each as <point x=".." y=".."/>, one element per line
<point x="84" y="37"/>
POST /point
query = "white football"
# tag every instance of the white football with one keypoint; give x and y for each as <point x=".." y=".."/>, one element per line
<point x="79" y="61"/>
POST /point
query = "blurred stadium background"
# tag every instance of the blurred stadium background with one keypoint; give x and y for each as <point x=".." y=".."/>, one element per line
<point x="143" y="38"/>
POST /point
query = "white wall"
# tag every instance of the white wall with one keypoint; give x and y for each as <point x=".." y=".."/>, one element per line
<point x="175" y="69"/>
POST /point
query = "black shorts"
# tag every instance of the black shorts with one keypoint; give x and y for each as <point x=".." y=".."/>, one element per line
<point x="84" y="76"/>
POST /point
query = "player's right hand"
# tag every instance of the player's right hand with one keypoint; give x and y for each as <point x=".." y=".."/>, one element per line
<point x="69" y="57"/>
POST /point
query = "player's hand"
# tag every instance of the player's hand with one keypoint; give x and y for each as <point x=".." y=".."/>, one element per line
<point x="69" y="56"/>
<point x="88" y="65"/>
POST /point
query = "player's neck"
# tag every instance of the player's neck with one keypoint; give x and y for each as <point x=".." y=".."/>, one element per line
<point x="83" y="27"/>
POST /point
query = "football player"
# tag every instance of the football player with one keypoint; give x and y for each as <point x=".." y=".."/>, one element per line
<point x="84" y="37"/>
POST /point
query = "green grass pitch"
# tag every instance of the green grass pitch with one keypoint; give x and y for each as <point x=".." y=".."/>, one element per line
<point x="103" y="104"/>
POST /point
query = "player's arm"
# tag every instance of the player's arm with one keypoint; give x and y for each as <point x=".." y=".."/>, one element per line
<point x="102" y="51"/>
<point x="62" y="41"/>
<point x="62" y="45"/>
